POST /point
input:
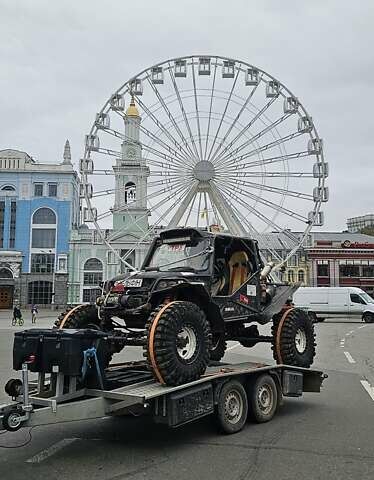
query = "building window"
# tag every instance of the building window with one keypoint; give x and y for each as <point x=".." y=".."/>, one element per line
<point x="42" y="262"/>
<point x="62" y="264"/>
<point x="301" y="276"/>
<point x="40" y="293"/>
<point x="129" y="257"/>
<point x="92" y="277"/>
<point x="52" y="189"/>
<point x="2" y="212"/>
<point x="130" y="192"/>
<point x="43" y="238"/>
<point x="44" y="216"/>
<point x="292" y="261"/>
<point x="322" y="270"/>
<point x="8" y="188"/>
<point x="349" y="270"/>
<point x="90" y="295"/>
<point x="368" y="271"/>
<point x="5" y="273"/>
<point x="290" y="276"/>
<point x="13" y="216"/>
<point x="38" y="189"/>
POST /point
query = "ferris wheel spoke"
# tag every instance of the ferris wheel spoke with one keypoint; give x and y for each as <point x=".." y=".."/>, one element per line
<point x="210" y="110"/>
<point x="230" y="193"/>
<point x="268" y="188"/>
<point x="223" y="115"/>
<point x="147" y="148"/>
<point x="268" y="146"/>
<point x="238" y="167"/>
<point x="165" y="181"/>
<point x="183" y="205"/>
<point x="267" y="203"/>
<point x="236" y="119"/>
<point x="196" y="108"/>
<point x="245" y="129"/>
<point x="253" y="139"/>
<point x="245" y="221"/>
<point x="188" y="152"/>
<point x="206" y="209"/>
<point x="251" y="174"/>
<point x="155" y="138"/>
<point x="181" y="106"/>
<point x="190" y="209"/>
<point x="120" y="232"/>
<point x="159" y="124"/>
<point x="103" y="193"/>
<point x="229" y="217"/>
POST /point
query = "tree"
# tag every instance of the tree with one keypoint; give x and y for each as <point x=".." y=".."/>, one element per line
<point x="368" y="230"/>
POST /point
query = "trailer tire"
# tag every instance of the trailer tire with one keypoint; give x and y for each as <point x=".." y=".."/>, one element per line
<point x="177" y="323"/>
<point x="263" y="399"/>
<point x="12" y="421"/>
<point x="232" y="408"/>
<point x="293" y="338"/>
<point x="218" y="348"/>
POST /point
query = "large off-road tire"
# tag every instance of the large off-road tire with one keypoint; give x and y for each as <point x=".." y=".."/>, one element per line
<point x="293" y="338"/>
<point x="178" y="343"/>
<point x="232" y="407"/>
<point x="80" y="316"/>
<point x="218" y="347"/>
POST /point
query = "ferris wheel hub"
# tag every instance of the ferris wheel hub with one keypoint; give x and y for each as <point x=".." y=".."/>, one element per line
<point x="204" y="171"/>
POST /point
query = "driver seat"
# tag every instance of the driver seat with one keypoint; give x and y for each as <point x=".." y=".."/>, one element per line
<point x="239" y="270"/>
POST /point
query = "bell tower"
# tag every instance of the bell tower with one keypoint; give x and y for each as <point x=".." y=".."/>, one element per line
<point x="130" y="213"/>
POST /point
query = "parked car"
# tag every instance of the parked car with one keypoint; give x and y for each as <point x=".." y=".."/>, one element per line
<point x="332" y="302"/>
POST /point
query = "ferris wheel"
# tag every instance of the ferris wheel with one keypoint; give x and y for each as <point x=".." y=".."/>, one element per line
<point x="208" y="142"/>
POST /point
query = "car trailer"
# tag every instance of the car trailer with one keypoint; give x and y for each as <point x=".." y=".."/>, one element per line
<point x="229" y="391"/>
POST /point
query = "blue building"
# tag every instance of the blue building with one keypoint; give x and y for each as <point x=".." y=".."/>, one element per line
<point x="39" y="205"/>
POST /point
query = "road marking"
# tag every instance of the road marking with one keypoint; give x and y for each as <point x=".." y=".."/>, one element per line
<point x="342" y="342"/>
<point x="349" y="357"/>
<point x="368" y="388"/>
<point x="233" y="346"/>
<point x="363" y="326"/>
<point x="48" y="452"/>
<point x="352" y="331"/>
<point x="347" y="334"/>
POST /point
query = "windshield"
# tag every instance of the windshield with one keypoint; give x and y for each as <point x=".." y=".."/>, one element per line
<point x="366" y="297"/>
<point x="174" y="256"/>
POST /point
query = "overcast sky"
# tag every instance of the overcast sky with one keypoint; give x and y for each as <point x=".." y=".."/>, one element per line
<point x="60" y="61"/>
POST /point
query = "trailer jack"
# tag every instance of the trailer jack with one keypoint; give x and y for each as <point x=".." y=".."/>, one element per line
<point x="19" y="413"/>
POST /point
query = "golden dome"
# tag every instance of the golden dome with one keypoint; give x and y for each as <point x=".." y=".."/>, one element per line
<point x="132" y="111"/>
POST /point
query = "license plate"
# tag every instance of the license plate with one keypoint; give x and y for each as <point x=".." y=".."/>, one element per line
<point x="133" y="282"/>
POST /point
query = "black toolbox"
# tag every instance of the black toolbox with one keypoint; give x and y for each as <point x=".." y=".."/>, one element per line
<point x="58" y="351"/>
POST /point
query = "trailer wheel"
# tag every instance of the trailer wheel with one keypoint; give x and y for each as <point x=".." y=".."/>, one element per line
<point x="12" y="421"/>
<point x="178" y="343"/>
<point x="263" y="399"/>
<point x="294" y="338"/>
<point x="232" y="409"/>
<point x="313" y="317"/>
<point x="368" y="317"/>
<point x="218" y="348"/>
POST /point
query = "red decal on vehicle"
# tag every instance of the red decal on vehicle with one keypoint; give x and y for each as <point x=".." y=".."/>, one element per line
<point x="243" y="299"/>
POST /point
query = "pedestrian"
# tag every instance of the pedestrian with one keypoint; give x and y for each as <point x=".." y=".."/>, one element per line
<point x="17" y="316"/>
<point x="34" y="311"/>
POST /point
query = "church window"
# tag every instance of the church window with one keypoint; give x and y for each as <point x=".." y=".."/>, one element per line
<point x="130" y="192"/>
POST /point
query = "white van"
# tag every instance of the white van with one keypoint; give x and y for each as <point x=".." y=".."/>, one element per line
<point x="328" y="302"/>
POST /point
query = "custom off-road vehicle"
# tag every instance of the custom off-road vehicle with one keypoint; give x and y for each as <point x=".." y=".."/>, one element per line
<point x="195" y="291"/>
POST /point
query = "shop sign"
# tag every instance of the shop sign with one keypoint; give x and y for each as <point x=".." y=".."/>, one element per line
<point x="349" y="244"/>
